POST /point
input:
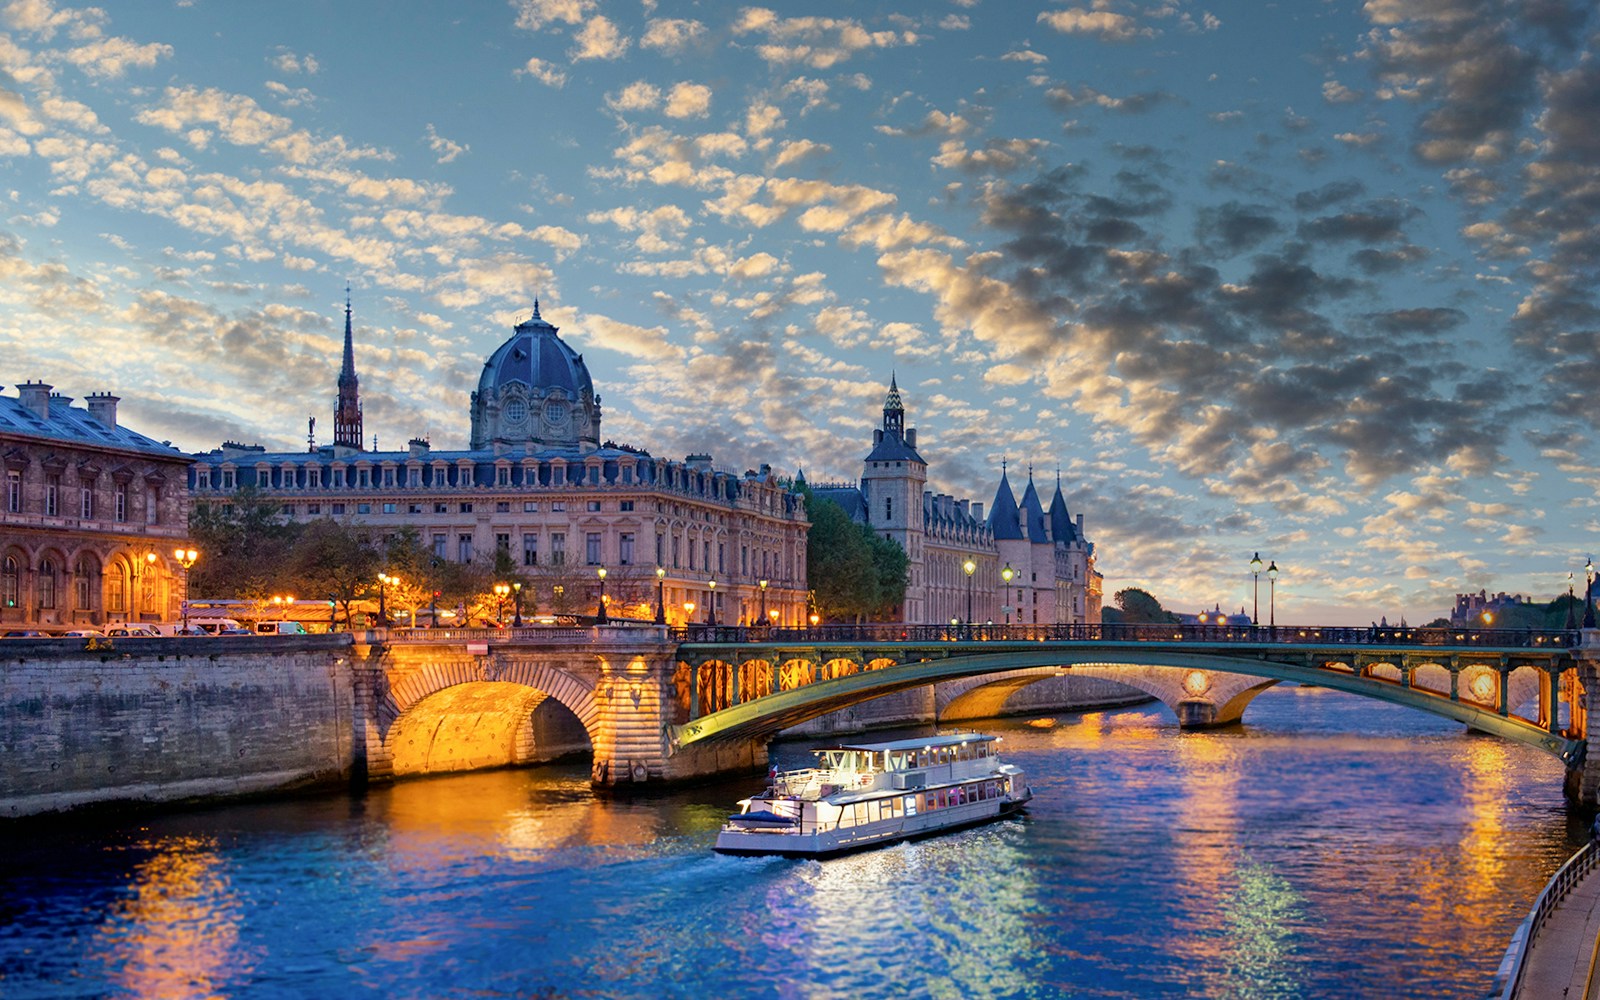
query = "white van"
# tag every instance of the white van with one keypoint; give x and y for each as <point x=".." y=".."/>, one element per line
<point x="213" y="625"/>
<point x="280" y="628"/>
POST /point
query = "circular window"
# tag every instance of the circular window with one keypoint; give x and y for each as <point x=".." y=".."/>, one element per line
<point x="555" y="411"/>
<point x="516" y="411"/>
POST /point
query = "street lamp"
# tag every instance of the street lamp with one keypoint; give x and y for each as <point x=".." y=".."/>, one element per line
<point x="1272" y="594"/>
<point x="763" y="584"/>
<point x="970" y="568"/>
<point x="1588" y="594"/>
<point x="1255" y="606"/>
<point x="661" y="604"/>
<point x="140" y="569"/>
<point x="773" y="617"/>
<point x="711" y="602"/>
<point x="600" y="612"/>
<point x="500" y="592"/>
<point x="186" y="558"/>
<point x="1006" y="575"/>
<point x="1571" y="600"/>
<point x="688" y="612"/>
<point x="516" y="590"/>
<point x="383" y="614"/>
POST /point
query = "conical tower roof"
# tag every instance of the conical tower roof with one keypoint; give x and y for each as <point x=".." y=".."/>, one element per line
<point x="1061" y="527"/>
<point x="1004" y="520"/>
<point x="1033" y="511"/>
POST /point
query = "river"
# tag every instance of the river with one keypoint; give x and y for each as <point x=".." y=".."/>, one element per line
<point x="1332" y="847"/>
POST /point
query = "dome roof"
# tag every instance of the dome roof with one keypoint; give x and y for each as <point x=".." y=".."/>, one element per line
<point x="539" y="359"/>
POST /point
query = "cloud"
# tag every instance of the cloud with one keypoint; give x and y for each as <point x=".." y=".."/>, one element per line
<point x="546" y="73"/>
<point x="288" y="62"/>
<point x="443" y="149"/>
<point x="671" y="35"/>
<point x="535" y="14"/>
<point x="688" y="100"/>
<point x="599" y="38"/>
<point x="1102" y="24"/>
<point x="818" y="42"/>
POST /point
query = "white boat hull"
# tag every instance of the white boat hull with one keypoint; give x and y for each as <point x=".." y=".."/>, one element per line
<point x="803" y="839"/>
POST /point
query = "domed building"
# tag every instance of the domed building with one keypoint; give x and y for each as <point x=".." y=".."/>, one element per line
<point x="536" y="390"/>
<point x="539" y="486"/>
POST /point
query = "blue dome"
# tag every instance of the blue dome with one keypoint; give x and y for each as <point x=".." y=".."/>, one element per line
<point x="537" y="358"/>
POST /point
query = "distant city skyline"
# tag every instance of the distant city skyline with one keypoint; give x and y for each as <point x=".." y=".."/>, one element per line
<point x="1311" y="281"/>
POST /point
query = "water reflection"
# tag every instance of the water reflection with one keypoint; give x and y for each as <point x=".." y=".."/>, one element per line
<point x="1329" y="848"/>
<point x="176" y="934"/>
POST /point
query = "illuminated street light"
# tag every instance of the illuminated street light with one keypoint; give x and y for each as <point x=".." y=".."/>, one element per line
<point x="1255" y="607"/>
<point x="688" y="612"/>
<point x="1588" y="594"/>
<point x="1007" y="574"/>
<point x="516" y="591"/>
<point x="969" y="567"/>
<point x="661" y="604"/>
<point x="185" y="558"/>
<point x="763" y="585"/>
<point x="1272" y="594"/>
<point x="711" y="603"/>
<point x="500" y="592"/>
<point x="600" y="612"/>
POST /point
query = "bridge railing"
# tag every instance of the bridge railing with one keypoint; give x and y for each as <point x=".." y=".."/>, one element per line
<point x="1104" y="632"/>
<point x="1508" y="978"/>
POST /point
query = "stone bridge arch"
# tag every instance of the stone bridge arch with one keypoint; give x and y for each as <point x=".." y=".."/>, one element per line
<point x="453" y="712"/>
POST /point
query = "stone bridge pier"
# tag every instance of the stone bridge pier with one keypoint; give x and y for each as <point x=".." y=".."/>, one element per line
<point x="431" y="706"/>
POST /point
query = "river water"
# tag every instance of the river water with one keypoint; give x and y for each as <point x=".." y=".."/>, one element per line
<point x="1333" y="847"/>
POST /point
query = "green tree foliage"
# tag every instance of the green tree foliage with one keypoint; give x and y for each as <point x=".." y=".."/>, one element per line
<point x="1138" y="607"/>
<point x="243" y="546"/>
<point x="329" y="562"/>
<point x="854" y="574"/>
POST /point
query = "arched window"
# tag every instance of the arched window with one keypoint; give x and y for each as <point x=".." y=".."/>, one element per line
<point x="83" y="583"/>
<point x="117" y="589"/>
<point x="47" y="583"/>
<point x="9" y="579"/>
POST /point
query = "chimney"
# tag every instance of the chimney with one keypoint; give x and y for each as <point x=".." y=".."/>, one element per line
<point x="103" y="407"/>
<point x="977" y="511"/>
<point x="419" y="447"/>
<point x="36" y="397"/>
<point x="964" y="506"/>
<point x="911" y="437"/>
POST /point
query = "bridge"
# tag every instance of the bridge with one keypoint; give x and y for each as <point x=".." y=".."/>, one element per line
<point x="662" y="704"/>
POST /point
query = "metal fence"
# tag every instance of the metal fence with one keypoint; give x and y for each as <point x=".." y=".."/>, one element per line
<point x="1508" y="978"/>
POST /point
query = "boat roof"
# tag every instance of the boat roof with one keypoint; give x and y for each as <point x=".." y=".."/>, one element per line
<point x="942" y="740"/>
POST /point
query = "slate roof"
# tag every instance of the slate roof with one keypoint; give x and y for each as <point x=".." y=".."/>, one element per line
<point x="1062" y="529"/>
<point x="892" y="448"/>
<point x="77" y="426"/>
<point x="538" y="358"/>
<point x="1004" y="520"/>
<point x="851" y="499"/>
<point x="1034" y="511"/>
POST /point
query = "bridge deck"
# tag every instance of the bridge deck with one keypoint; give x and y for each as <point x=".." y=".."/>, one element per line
<point x="1561" y="960"/>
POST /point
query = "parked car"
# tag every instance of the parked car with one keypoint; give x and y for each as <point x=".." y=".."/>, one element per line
<point x="190" y="630"/>
<point x="85" y="633"/>
<point x="233" y="631"/>
<point x="133" y="630"/>
<point x="280" y="628"/>
<point x="27" y="633"/>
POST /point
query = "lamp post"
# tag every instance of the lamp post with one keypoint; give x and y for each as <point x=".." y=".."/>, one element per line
<point x="141" y="567"/>
<point x="1255" y="604"/>
<point x="186" y="558"/>
<point x="772" y="618"/>
<point x="1006" y="575"/>
<point x="500" y="592"/>
<point x="516" y="599"/>
<point x="969" y="567"/>
<point x="1571" y="600"/>
<point x="763" y="585"/>
<point x="1272" y="594"/>
<point x="688" y="612"/>
<point x="711" y="602"/>
<point x="661" y="604"/>
<point x="558" y="597"/>
<point x="383" y="613"/>
<point x="600" y="612"/>
<point x="1588" y="594"/>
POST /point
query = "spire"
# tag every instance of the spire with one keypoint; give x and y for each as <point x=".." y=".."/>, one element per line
<point x="347" y="410"/>
<point x="894" y="411"/>
<point x="536" y="308"/>
<point x="1005" y="521"/>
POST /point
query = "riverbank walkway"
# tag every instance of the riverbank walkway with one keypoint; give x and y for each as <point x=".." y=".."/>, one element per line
<point x="1560" y="962"/>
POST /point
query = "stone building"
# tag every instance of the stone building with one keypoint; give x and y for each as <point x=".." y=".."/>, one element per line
<point x="91" y="516"/>
<point x="1049" y="561"/>
<point x="539" y="483"/>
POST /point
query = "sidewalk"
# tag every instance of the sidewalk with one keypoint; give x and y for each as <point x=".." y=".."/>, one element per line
<point x="1557" y="965"/>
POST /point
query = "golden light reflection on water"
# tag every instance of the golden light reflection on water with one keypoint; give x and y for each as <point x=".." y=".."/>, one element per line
<point x="177" y="935"/>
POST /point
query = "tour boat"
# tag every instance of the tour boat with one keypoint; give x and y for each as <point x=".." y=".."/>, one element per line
<point x="865" y="794"/>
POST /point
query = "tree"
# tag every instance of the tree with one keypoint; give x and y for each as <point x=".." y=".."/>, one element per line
<point x="329" y="561"/>
<point x="1138" y="607"/>
<point x="244" y="547"/>
<point x="854" y="574"/>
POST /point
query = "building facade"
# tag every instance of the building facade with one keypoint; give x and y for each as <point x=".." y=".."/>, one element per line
<point x="91" y="515"/>
<point x="539" y="484"/>
<point x="1028" y="565"/>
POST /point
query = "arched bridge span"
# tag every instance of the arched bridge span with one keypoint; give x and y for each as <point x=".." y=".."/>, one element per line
<point x="742" y="685"/>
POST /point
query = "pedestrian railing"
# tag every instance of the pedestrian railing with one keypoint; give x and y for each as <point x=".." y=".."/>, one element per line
<point x="1508" y="978"/>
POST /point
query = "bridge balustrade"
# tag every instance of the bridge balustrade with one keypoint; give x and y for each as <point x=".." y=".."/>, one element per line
<point x="1341" y="635"/>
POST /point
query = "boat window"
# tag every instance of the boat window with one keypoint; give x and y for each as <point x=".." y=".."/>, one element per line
<point x="910" y="804"/>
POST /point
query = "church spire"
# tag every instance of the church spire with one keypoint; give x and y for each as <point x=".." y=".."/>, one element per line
<point x="347" y="410"/>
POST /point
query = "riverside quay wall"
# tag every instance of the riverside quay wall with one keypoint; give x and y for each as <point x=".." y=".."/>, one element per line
<point x="96" y="722"/>
<point x="162" y="720"/>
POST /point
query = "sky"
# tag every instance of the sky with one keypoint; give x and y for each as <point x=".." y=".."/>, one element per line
<point x="1310" y="279"/>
